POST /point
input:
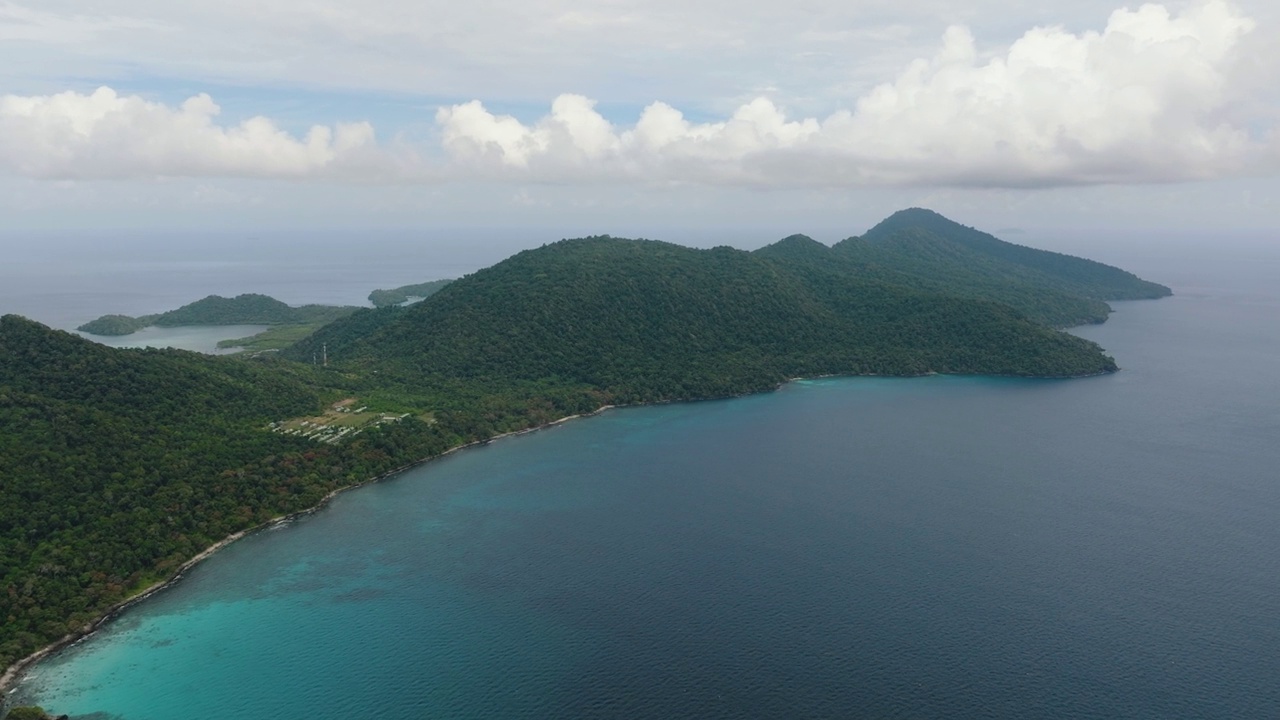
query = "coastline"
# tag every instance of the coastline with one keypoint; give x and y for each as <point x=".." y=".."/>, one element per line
<point x="13" y="675"/>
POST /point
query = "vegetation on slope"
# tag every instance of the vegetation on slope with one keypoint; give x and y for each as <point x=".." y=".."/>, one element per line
<point x="118" y="465"/>
<point x="645" y="320"/>
<point x="115" y="325"/>
<point x="922" y="249"/>
<point x="1082" y="276"/>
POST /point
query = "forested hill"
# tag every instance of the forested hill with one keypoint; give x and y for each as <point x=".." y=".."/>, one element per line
<point x="118" y="465"/>
<point x="923" y="249"/>
<point x="247" y="309"/>
<point x="647" y="320"/>
<point x="1087" y="277"/>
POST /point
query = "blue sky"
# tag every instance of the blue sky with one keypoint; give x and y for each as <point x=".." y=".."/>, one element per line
<point x="637" y="116"/>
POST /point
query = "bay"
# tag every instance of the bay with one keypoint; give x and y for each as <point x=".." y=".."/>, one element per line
<point x="197" y="338"/>
<point x="862" y="547"/>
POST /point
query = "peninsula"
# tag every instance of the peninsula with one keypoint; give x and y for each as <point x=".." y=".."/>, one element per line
<point x="120" y="466"/>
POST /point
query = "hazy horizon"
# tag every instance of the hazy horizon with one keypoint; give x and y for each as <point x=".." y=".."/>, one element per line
<point x="67" y="278"/>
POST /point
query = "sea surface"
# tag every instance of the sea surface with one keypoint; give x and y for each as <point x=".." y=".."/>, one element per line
<point x="201" y="338"/>
<point x="941" y="547"/>
<point x="65" y="281"/>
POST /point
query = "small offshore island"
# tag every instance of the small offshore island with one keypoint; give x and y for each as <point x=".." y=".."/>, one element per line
<point x="121" y="466"/>
<point x="287" y="324"/>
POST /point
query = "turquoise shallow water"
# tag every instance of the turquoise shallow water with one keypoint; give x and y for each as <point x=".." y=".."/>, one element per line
<point x="866" y="547"/>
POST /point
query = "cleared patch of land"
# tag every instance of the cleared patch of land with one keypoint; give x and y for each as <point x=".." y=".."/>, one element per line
<point x="341" y="421"/>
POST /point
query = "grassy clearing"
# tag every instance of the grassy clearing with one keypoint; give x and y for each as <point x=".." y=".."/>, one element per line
<point x="277" y="337"/>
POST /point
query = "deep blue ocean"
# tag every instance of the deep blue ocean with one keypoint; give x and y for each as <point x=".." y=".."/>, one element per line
<point x="941" y="547"/>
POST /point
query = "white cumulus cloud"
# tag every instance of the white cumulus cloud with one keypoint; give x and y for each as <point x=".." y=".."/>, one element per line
<point x="1147" y="99"/>
<point x="105" y="135"/>
<point x="1154" y="96"/>
<point x="575" y="142"/>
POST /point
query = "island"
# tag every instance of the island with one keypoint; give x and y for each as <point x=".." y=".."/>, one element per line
<point x="288" y="324"/>
<point x="123" y="467"/>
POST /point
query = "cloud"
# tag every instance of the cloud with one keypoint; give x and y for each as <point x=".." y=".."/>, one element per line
<point x="706" y="56"/>
<point x="484" y="48"/>
<point x="106" y="135"/>
<point x="1153" y="97"/>
<point x="19" y="23"/>
<point x="575" y="142"/>
<point x="1147" y="99"/>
